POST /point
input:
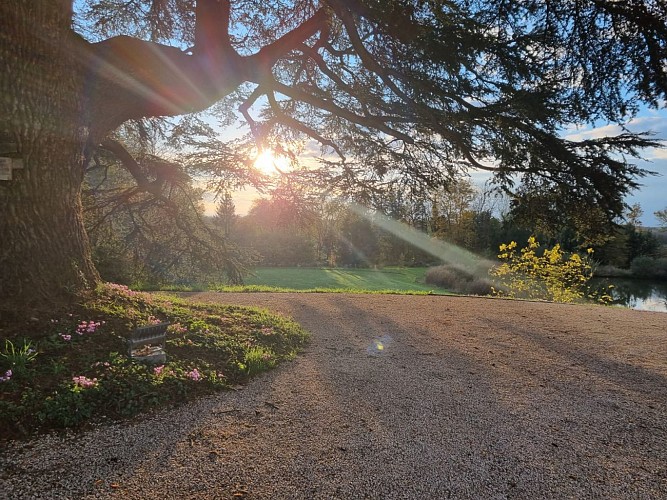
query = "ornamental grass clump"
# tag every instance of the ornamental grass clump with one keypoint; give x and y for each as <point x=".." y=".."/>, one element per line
<point x="18" y="357"/>
<point x="550" y="274"/>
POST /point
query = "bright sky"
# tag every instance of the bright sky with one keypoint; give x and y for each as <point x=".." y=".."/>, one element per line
<point x="652" y="195"/>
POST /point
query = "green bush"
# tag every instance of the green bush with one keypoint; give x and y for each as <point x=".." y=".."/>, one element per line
<point x="457" y="281"/>
<point x="66" y="408"/>
<point x="649" y="267"/>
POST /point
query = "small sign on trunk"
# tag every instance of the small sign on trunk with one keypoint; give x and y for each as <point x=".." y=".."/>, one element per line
<point x="5" y="169"/>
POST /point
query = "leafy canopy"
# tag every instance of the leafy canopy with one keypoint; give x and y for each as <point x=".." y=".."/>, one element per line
<point x="410" y="92"/>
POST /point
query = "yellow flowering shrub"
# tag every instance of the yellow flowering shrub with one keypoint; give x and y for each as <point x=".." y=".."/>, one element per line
<point x="553" y="275"/>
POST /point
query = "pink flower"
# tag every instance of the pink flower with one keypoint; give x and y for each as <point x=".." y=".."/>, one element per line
<point x="87" y="326"/>
<point x="84" y="382"/>
<point x="65" y="337"/>
<point x="8" y="375"/>
<point x="177" y="328"/>
<point x="158" y="370"/>
<point x="194" y="375"/>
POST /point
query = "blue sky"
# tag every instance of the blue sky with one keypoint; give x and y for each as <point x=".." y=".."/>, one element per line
<point x="652" y="195"/>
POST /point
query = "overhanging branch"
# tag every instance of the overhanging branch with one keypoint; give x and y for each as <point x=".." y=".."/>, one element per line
<point x="301" y="127"/>
<point x="260" y="64"/>
<point x="375" y="122"/>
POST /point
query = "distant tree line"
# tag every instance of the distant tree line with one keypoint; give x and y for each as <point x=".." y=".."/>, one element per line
<point x="293" y="228"/>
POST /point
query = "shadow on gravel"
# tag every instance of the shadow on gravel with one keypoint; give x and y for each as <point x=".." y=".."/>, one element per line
<point x="634" y="379"/>
<point x="385" y="403"/>
<point x="515" y="410"/>
<point x="421" y="413"/>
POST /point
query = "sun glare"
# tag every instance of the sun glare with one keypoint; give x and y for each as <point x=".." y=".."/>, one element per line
<point x="270" y="164"/>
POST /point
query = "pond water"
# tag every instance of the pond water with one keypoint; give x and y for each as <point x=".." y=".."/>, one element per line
<point x="637" y="294"/>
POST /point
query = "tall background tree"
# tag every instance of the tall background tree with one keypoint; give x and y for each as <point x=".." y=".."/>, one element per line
<point x="661" y="215"/>
<point x="390" y="89"/>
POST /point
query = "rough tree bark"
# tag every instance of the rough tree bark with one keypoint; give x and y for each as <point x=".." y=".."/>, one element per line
<point x="60" y="96"/>
<point x="44" y="252"/>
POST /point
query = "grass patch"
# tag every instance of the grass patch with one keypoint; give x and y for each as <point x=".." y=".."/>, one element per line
<point x="391" y="280"/>
<point x="314" y="280"/>
<point x="275" y="289"/>
<point x="71" y="370"/>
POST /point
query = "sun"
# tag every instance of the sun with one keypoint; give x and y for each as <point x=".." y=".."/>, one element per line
<point x="269" y="163"/>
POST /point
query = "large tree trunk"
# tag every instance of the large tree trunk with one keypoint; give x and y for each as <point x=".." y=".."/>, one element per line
<point x="44" y="251"/>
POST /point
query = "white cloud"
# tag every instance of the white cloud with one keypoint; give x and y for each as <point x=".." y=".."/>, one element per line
<point x="595" y="133"/>
<point x="657" y="154"/>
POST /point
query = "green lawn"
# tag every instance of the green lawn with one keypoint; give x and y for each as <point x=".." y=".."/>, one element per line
<point x="395" y="279"/>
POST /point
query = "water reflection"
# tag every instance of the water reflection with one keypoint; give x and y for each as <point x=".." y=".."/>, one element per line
<point x="636" y="294"/>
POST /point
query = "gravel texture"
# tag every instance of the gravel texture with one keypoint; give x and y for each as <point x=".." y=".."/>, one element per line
<point x="398" y="397"/>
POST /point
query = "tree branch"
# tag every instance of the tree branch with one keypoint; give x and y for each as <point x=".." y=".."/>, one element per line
<point x="262" y="62"/>
<point x="375" y="122"/>
<point x="131" y="165"/>
<point x="245" y="111"/>
<point x="131" y="79"/>
<point x="212" y="30"/>
<point x="297" y="125"/>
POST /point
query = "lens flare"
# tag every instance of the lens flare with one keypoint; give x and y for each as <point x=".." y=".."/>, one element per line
<point x="379" y="345"/>
<point x="457" y="257"/>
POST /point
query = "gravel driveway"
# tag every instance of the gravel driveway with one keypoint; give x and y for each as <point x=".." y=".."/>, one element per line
<point x="398" y="397"/>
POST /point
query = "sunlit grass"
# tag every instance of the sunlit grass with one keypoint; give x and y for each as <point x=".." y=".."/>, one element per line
<point x="332" y="280"/>
<point x="392" y="280"/>
<point x="266" y="289"/>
